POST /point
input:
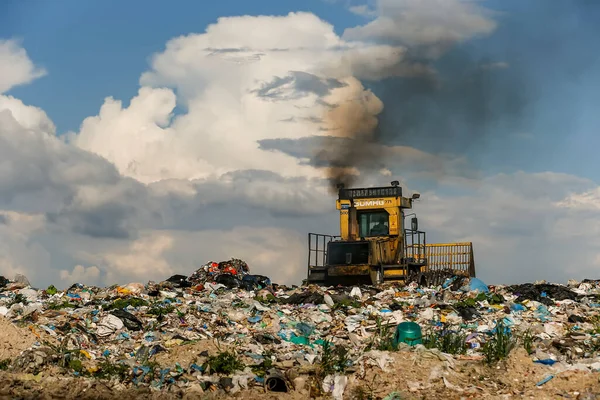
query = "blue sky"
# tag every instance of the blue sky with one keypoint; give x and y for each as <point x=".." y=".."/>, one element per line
<point x="172" y="193"/>
<point x="107" y="44"/>
<point x="94" y="49"/>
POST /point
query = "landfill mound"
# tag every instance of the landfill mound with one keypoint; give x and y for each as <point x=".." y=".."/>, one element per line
<point x="223" y="332"/>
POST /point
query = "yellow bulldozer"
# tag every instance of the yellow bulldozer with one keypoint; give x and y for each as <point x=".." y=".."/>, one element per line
<point x="374" y="245"/>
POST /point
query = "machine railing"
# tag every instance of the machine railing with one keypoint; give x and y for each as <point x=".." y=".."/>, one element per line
<point x="415" y="249"/>
<point x="317" y="249"/>
<point x="457" y="257"/>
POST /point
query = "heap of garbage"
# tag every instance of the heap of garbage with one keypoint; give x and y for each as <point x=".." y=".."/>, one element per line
<point x="223" y="329"/>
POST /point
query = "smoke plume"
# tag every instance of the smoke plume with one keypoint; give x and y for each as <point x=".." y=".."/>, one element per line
<point x="459" y="101"/>
<point x="351" y="123"/>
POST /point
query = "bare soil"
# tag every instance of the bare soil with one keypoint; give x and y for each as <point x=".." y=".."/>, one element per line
<point x="412" y="376"/>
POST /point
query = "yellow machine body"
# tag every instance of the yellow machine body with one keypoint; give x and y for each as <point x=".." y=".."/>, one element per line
<point x="374" y="245"/>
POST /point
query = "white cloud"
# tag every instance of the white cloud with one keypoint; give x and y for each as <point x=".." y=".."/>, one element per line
<point x="79" y="274"/>
<point x="239" y="83"/>
<point x="518" y="228"/>
<point x="431" y="23"/>
<point x="15" y="66"/>
<point x="141" y="193"/>
<point x="363" y="10"/>
<point x="29" y="117"/>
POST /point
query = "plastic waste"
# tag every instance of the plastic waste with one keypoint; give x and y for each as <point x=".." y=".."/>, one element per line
<point x="408" y="332"/>
<point x="108" y="325"/>
<point x="478" y="285"/>
<point x="275" y="381"/>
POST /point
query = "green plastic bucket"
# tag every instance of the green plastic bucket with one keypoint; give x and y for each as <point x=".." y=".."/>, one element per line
<point x="409" y="333"/>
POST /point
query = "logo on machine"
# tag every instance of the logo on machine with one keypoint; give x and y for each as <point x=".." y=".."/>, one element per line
<point x="369" y="203"/>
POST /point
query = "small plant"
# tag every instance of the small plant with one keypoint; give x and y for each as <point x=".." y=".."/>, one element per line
<point x="345" y="304"/>
<point x="4" y="364"/>
<point x="224" y="362"/>
<point x="364" y="392"/>
<point x="499" y="345"/>
<point x="595" y="321"/>
<point x="383" y="338"/>
<point x="76" y="365"/>
<point x="120" y="304"/>
<point x="334" y="359"/>
<point x="160" y="310"/>
<point x="51" y="290"/>
<point x="267" y="363"/>
<point x="107" y="370"/>
<point x="59" y="305"/>
<point x="268" y="299"/>
<point x="19" y="298"/>
<point x="446" y="341"/>
<point x="528" y="341"/>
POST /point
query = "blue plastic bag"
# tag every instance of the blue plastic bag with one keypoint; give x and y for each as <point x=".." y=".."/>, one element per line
<point x="477" y="284"/>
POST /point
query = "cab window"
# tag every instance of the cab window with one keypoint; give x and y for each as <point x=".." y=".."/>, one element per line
<point x="373" y="223"/>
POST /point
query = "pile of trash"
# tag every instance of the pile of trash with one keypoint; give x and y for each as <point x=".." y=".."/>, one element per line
<point x="225" y="329"/>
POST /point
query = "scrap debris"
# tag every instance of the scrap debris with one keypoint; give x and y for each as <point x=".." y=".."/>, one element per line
<point x="225" y="330"/>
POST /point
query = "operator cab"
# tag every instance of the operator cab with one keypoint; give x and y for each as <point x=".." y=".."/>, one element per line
<point x="373" y="223"/>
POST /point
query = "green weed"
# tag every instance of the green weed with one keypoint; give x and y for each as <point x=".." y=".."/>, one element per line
<point x="528" y="341"/>
<point x="120" y="304"/>
<point x="499" y="345"/>
<point x="60" y="305"/>
<point x="446" y="341"/>
<point x="383" y="338"/>
<point x="224" y="362"/>
<point x="345" y="304"/>
<point x="4" y="364"/>
<point x="107" y="370"/>
<point x="334" y="359"/>
<point x="160" y="310"/>
<point x="19" y="298"/>
<point x="268" y="299"/>
<point x="364" y="392"/>
<point x="262" y="368"/>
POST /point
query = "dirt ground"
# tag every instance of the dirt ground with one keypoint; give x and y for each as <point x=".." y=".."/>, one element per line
<point x="13" y="340"/>
<point x="410" y="375"/>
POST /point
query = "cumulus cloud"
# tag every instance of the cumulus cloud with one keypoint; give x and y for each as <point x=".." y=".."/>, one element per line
<point x="518" y="227"/>
<point x="144" y="190"/>
<point x="80" y="274"/>
<point x="237" y="89"/>
<point x="16" y="68"/>
<point x="434" y="24"/>
<point x="363" y="10"/>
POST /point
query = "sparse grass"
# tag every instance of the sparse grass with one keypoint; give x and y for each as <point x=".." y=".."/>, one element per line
<point x="383" y="338"/>
<point x="334" y="359"/>
<point x="225" y="362"/>
<point x="60" y="305"/>
<point x="19" y="298"/>
<point x="364" y="392"/>
<point x="120" y="304"/>
<point x="345" y="304"/>
<point x="262" y="368"/>
<point x="499" y="345"/>
<point x="527" y="339"/>
<point x="160" y="310"/>
<point x="107" y="370"/>
<point x="4" y="364"/>
<point x="492" y="299"/>
<point x="446" y="340"/>
<point x="595" y="321"/>
<point x="268" y="299"/>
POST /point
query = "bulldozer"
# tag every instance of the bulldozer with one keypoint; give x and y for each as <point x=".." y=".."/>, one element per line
<point x="375" y="246"/>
